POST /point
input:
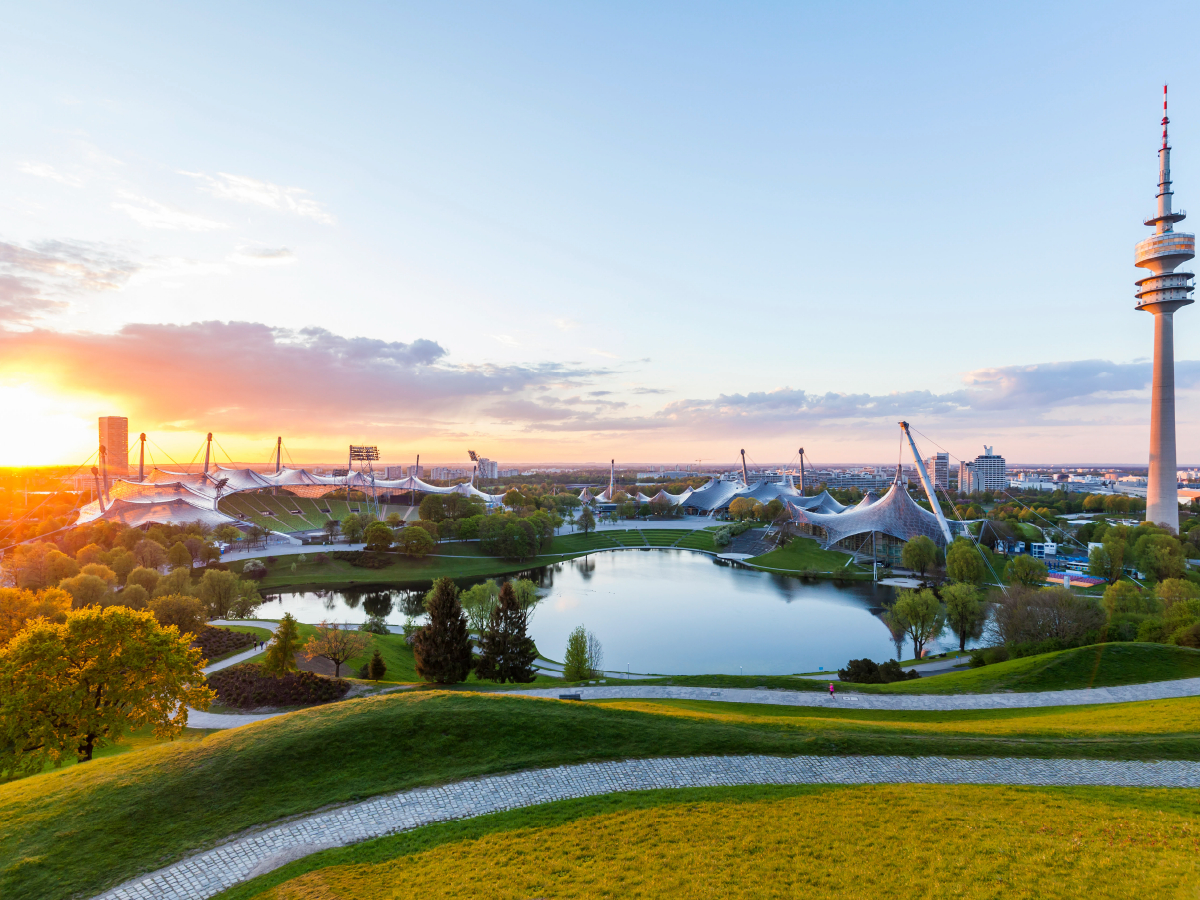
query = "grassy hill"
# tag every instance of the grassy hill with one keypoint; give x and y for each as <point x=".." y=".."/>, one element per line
<point x="759" y="842"/>
<point x="77" y="830"/>
<point x="1100" y="665"/>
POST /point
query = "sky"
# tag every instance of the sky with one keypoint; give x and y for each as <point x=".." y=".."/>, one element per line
<point x="571" y="232"/>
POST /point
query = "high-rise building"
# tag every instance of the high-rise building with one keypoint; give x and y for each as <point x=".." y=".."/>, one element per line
<point x="938" y="467"/>
<point x="488" y="469"/>
<point x="1162" y="293"/>
<point x="114" y="438"/>
<point x="988" y="472"/>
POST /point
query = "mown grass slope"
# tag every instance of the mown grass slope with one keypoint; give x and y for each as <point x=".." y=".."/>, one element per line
<point x="802" y="841"/>
<point x="1099" y="665"/>
<point x="80" y="829"/>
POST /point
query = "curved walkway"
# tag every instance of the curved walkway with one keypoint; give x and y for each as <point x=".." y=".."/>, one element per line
<point x="1128" y="693"/>
<point x="199" y="719"/>
<point x="209" y="873"/>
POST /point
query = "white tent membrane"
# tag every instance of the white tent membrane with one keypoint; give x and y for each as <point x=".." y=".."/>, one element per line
<point x="895" y="514"/>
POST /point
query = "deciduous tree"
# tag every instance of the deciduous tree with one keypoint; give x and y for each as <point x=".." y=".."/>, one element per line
<point x="919" y="554"/>
<point x="965" y="611"/>
<point x="415" y="542"/>
<point x="353" y="527"/>
<point x="179" y="557"/>
<point x="378" y="537"/>
<point x="85" y="590"/>
<point x="921" y="617"/>
<point x="964" y="564"/>
<point x="1027" y="571"/>
<point x="337" y="645"/>
<point x="180" y="611"/>
<point x="442" y="649"/>
<point x="18" y="606"/>
<point x="74" y="686"/>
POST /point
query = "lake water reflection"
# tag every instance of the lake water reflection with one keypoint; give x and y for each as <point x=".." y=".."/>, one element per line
<point x="669" y="612"/>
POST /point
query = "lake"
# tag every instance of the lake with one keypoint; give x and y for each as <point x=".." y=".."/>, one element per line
<point x="667" y="612"/>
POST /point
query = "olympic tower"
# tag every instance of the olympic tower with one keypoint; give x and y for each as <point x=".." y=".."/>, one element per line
<point x="1161" y="293"/>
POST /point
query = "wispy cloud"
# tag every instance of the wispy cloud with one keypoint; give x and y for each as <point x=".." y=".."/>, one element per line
<point x="255" y="256"/>
<point x="293" y="200"/>
<point x="505" y="339"/>
<point x="152" y="214"/>
<point x="47" y="171"/>
<point x="596" y="352"/>
<point x="566" y="324"/>
<point x="38" y="279"/>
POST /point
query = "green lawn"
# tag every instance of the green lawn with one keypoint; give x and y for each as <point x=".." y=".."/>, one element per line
<point x="805" y="554"/>
<point x="78" y="830"/>
<point x="1100" y="665"/>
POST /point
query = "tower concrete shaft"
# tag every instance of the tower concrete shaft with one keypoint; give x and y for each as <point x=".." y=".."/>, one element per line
<point x="1162" y="293"/>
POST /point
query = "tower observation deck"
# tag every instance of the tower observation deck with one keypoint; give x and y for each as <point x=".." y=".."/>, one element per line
<point x="1162" y="293"/>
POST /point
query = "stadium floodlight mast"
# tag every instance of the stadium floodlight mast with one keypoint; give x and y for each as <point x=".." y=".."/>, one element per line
<point x="368" y="455"/>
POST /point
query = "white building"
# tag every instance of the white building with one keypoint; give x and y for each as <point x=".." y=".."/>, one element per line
<point x="984" y="473"/>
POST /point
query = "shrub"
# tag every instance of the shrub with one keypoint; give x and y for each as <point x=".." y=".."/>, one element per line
<point x="375" y="625"/>
<point x="722" y="537"/>
<point x="865" y="671"/>
<point x="214" y="642"/>
<point x="364" y="559"/>
<point x="250" y="685"/>
<point x="254" y="569"/>
<point x="321" y="558"/>
<point x="989" y="656"/>
<point x="1031" y="616"/>
<point x="1188" y="636"/>
<point x="375" y="668"/>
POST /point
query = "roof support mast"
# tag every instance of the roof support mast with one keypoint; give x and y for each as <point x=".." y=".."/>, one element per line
<point x="142" y="457"/>
<point x="207" y="451"/>
<point x="745" y="474"/>
<point x="929" y="492"/>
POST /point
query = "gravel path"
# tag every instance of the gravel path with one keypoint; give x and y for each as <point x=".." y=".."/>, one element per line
<point x="1129" y="693"/>
<point x="209" y="873"/>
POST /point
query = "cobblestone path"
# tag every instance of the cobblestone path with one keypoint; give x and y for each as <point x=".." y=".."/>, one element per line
<point x="209" y="873"/>
<point x="1129" y="693"/>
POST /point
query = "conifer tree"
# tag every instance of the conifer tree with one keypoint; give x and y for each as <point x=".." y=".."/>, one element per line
<point x="376" y="668"/>
<point x="442" y="649"/>
<point x="281" y="654"/>
<point x="507" y="653"/>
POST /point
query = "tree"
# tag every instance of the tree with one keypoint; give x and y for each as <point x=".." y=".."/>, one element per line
<point x="178" y="557"/>
<point x="575" y="663"/>
<point x="376" y="668"/>
<point x="147" y="578"/>
<point x="331" y="527"/>
<point x="442" y="649"/>
<point x="919" y="554"/>
<point x="1030" y="615"/>
<point x="507" y="653"/>
<point x="963" y="563"/>
<point x="587" y="520"/>
<point x="595" y="656"/>
<point x="378" y="537"/>
<point x="415" y="542"/>
<point x="134" y="596"/>
<point x="1027" y="571"/>
<point x="281" y="653"/>
<point x="184" y="613"/>
<point x="337" y="645"/>
<point x="177" y="581"/>
<point x="1115" y="548"/>
<point x="122" y="562"/>
<point x="353" y="527"/>
<point x="59" y="566"/>
<point x="150" y="554"/>
<point x="104" y="573"/>
<point x="1171" y="591"/>
<point x="218" y="590"/>
<point x="74" y="686"/>
<point x="1125" y="597"/>
<point x="394" y="520"/>
<point x="1160" y="556"/>
<point x="965" y="613"/>
<point x="18" y="606"/>
<point x="85" y="590"/>
<point x="477" y="602"/>
<point x="921" y="617"/>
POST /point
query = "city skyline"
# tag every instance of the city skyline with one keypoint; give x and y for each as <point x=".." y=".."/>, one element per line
<point x="528" y="233"/>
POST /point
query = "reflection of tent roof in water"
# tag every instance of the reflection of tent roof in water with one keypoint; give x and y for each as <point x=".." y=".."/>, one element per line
<point x="896" y="513"/>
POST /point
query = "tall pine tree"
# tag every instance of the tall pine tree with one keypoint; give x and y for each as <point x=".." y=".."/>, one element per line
<point x="442" y="649"/>
<point x="507" y="653"/>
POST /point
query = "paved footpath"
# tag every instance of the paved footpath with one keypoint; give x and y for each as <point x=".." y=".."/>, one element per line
<point x="209" y="873"/>
<point x="1128" y="693"/>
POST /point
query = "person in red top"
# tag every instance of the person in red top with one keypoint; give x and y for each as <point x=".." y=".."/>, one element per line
<point x="831" y="693"/>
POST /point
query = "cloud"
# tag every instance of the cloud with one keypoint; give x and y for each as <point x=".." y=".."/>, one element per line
<point x="646" y="390"/>
<point x="254" y="376"/>
<point x="253" y="256"/>
<point x="44" y="170"/>
<point x="505" y="339"/>
<point x="596" y="352"/>
<point x="152" y="214"/>
<point x="241" y="189"/>
<point x="566" y="324"/>
<point x="35" y="280"/>
<point x="1079" y="382"/>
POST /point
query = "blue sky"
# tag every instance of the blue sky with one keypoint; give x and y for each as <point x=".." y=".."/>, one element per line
<point x="566" y="232"/>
